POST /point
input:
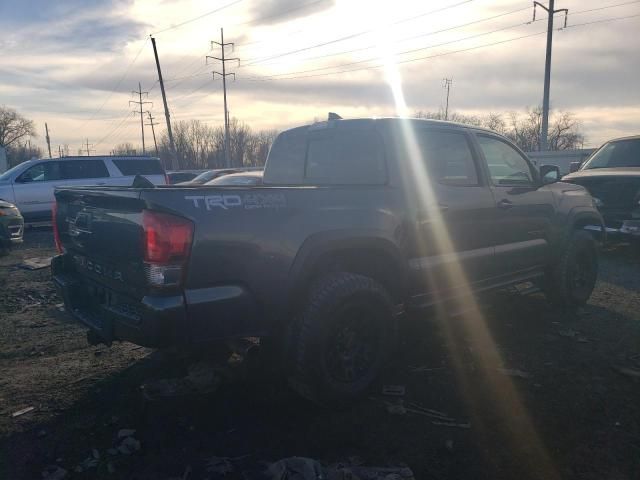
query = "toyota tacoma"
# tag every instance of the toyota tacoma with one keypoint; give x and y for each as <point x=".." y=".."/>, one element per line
<point x="356" y="222"/>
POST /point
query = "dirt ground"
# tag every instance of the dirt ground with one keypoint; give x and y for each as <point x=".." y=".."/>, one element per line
<point x="528" y="392"/>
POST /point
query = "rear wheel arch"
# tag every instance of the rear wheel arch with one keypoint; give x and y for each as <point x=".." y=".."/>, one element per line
<point x="376" y="258"/>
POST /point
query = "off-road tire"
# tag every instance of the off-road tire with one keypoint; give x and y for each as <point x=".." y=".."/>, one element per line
<point x="332" y="306"/>
<point x="560" y="288"/>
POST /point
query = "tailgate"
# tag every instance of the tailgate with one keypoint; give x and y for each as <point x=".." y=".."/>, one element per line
<point x="101" y="231"/>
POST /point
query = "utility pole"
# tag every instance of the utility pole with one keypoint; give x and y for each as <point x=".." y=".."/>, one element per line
<point x="46" y="129"/>
<point x="153" y="131"/>
<point x="447" y="84"/>
<point x="141" y="103"/>
<point x="224" y="74"/>
<point x="172" y="145"/>
<point x="544" y="134"/>
<point x="59" y="151"/>
<point x="87" y="145"/>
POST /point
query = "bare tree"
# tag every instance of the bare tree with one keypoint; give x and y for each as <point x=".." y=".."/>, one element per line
<point x="200" y="146"/>
<point x="124" y="149"/>
<point x="18" y="153"/>
<point x="14" y="127"/>
<point x="523" y="128"/>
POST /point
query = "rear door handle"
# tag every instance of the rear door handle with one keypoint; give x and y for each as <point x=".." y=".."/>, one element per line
<point x="505" y="204"/>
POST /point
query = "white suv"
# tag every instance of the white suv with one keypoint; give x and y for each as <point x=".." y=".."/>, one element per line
<point x="30" y="185"/>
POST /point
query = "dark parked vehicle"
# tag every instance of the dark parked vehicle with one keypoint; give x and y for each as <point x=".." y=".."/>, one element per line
<point x="178" y="176"/>
<point x="11" y="226"/>
<point x="612" y="175"/>
<point x="213" y="174"/>
<point x="356" y="222"/>
<point x="247" y="179"/>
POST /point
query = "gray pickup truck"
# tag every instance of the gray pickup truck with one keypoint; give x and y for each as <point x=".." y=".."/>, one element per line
<point x="356" y="221"/>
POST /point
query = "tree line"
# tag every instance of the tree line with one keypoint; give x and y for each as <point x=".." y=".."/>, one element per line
<point x="201" y="146"/>
<point x="523" y="129"/>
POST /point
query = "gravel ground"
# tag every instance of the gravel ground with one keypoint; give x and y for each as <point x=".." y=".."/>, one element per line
<point x="528" y="392"/>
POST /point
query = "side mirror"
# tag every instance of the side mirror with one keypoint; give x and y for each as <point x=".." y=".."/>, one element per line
<point x="549" y="174"/>
<point x="574" y="166"/>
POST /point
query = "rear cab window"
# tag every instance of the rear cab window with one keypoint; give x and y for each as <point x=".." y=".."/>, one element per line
<point x="345" y="156"/>
<point x="332" y="155"/>
<point x="138" y="166"/>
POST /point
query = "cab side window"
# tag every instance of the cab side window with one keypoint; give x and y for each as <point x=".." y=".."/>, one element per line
<point x="506" y="165"/>
<point x="43" y="172"/>
<point x="447" y="157"/>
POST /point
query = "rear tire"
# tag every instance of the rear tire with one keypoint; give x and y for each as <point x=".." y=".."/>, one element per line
<point x="341" y="339"/>
<point x="571" y="281"/>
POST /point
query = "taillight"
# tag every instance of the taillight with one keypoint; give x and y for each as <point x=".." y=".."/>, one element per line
<point x="166" y="179"/>
<point x="56" y="232"/>
<point x="166" y="245"/>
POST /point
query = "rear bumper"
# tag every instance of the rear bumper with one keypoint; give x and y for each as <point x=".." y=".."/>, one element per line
<point x="197" y="316"/>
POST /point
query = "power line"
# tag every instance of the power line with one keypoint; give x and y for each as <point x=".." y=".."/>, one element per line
<point x="114" y="129"/>
<point x="351" y="36"/>
<point x="454" y="28"/>
<point x="87" y="145"/>
<point x="153" y="131"/>
<point x="267" y="78"/>
<point x="413" y="37"/>
<point x="172" y="27"/>
<point x="224" y="75"/>
<point x="141" y="103"/>
<point x="447" y="84"/>
<point x="414" y="50"/>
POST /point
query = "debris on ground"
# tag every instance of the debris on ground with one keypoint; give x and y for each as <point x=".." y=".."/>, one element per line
<point x="202" y="378"/>
<point x="296" y="468"/>
<point x="126" y="432"/>
<point x="437" y="417"/>
<point x="36" y="263"/>
<point x="451" y="424"/>
<point x="22" y="411"/>
<point x="424" y="368"/>
<point x="302" y="468"/>
<point x="220" y="466"/>
<point x="396" y="409"/>
<point x="394" y="390"/>
<point x="514" y="372"/>
<point x="54" y="472"/>
<point x="128" y="446"/>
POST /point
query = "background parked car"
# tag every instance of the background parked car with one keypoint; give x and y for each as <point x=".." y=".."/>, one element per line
<point x="11" y="226"/>
<point x="179" y="176"/>
<point x="213" y="174"/>
<point x="30" y="185"/>
<point x="612" y="176"/>
<point x="246" y="179"/>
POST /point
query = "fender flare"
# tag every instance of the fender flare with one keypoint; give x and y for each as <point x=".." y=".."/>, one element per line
<point x="324" y="243"/>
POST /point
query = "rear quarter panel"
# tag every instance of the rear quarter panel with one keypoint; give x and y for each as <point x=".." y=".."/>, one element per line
<point x="252" y="237"/>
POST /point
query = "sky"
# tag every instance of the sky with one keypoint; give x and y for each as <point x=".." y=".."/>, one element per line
<point x="75" y="63"/>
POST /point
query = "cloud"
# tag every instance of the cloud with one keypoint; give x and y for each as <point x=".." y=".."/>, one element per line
<point x="270" y="12"/>
<point x="93" y="26"/>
